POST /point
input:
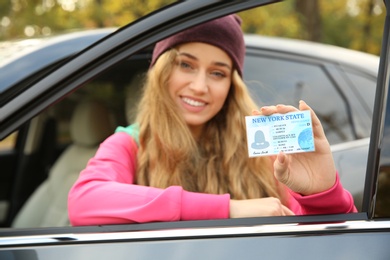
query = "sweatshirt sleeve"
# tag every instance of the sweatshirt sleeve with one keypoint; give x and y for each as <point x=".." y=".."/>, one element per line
<point x="336" y="200"/>
<point x="105" y="192"/>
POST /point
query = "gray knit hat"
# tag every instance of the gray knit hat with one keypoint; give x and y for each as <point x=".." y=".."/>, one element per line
<point x="224" y="33"/>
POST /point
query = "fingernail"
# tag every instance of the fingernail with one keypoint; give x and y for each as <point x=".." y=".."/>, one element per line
<point x="281" y="157"/>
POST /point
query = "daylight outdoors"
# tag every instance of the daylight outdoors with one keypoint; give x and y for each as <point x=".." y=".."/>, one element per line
<point x="332" y="22"/>
<point x="328" y="21"/>
<point x="115" y="147"/>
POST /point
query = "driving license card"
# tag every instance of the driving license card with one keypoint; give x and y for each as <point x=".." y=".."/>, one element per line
<point x="290" y="133"/>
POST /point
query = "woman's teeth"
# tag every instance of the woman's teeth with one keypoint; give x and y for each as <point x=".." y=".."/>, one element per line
<point x="192" y="102"/>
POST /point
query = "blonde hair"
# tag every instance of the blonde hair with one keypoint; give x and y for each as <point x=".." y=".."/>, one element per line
<point x="218" y="162"/>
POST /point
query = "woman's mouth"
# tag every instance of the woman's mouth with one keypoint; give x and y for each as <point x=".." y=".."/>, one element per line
<point x="192" y="102"/>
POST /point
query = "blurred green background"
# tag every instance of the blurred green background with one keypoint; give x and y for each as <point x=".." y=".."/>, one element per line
<point x="354" y="24"/>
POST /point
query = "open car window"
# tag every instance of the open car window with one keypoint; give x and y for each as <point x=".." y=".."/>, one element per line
<point x="116" y="81"/>
<point x="112" y="72"/>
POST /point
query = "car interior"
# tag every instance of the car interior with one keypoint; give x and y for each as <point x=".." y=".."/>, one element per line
<point x="90" y="124"/>
<point x="57" y="144"/>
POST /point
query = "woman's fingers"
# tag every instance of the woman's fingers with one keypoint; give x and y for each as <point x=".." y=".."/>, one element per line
<point x="305" y="173"/>
<point x="258" y="207"/>
<point x="278" y="109"/>
<point x="281" y="169"/>
<point x="287" y="211"/>
<point x="281" y="109"/>
<point x="256" y="112"/>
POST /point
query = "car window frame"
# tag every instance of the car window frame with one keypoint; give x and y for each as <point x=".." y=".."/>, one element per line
<point x="119" y="46"/>
<point x="380" y="124"/>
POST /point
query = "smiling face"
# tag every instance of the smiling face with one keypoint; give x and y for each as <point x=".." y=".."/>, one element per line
<point x="200" y="82"/>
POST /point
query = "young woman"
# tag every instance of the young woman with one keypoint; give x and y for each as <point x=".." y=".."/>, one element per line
<point x="186" y="156"/>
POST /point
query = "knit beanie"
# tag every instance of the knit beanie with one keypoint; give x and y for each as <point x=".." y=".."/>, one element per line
<point x="224" y="33"/>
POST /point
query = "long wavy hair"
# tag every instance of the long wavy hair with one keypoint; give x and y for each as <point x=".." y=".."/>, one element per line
<point x="218" y="162"/>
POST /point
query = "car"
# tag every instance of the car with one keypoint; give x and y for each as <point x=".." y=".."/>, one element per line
<point x="277" y="70"/>
<point x="87" y="87"/>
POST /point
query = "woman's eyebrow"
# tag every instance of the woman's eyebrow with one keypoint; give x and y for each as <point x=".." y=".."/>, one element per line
<point x="188" y="55"/>
<point x="223" y="64"/>
<point x="217" y="63"/>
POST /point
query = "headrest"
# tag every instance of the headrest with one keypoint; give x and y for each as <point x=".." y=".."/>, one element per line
<point x="91" y="123"/>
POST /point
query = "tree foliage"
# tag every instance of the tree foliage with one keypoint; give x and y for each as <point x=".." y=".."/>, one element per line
<point x="356" y="24"/>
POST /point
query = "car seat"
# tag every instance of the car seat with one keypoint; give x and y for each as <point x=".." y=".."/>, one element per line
<point x="90" y="124"/>
<point x="133" y="96"/>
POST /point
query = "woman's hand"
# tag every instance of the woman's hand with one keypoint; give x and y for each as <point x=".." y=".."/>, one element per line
<point x="258" y="208"/>
<point x="309" y="172"/>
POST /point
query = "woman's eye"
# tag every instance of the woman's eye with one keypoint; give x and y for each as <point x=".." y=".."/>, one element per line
<point x="184" y="65"/>
<point x="218" y="74"/>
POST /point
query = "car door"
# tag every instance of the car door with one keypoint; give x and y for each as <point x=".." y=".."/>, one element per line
<point x="8" y="162"/>
<point x="25" y="158"/>
<point x="304" y="237"/>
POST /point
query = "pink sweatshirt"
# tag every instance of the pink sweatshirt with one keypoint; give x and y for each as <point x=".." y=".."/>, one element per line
<point x="105" y="193"/>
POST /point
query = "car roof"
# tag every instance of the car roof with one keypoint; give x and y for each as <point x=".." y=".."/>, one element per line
<point x="353" y="58"/>
<point x="26" y="56"/>
<point x="14" y="49"/>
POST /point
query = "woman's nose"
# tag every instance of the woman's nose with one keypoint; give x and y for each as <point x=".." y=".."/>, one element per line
<point x="199" y="83"/>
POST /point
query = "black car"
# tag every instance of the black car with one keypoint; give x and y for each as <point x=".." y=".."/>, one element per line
<point x="49" y="115"/>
